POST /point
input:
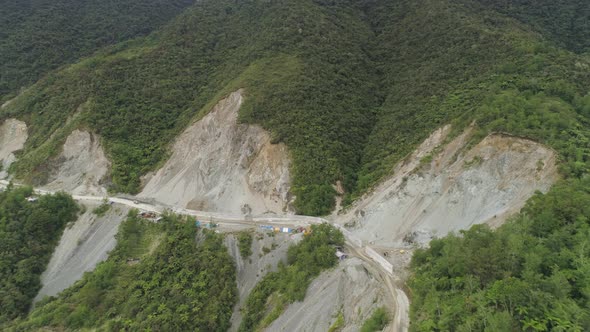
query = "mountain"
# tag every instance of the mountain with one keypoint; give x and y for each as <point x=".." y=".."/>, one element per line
<point x="564" y="22"/>
<point x="315" y="107"/>
<point x="37" y="36"/>
<point x="350" y="87"/>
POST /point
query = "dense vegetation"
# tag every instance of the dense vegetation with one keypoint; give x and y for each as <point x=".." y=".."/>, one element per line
<point x="289" y="283"/>
<point x="37" y="36"/>
<point x="139" y="95"/>
<point x="350" y="86"/>
<point x="29" y="231"/>
<point x="532" y="274"/>
<point x="377" y="322"/>
<point x="245" y="244"/>
<point x="565" y="22"/>
<point x="158" y="278"/>
<point x="452" y="63"/>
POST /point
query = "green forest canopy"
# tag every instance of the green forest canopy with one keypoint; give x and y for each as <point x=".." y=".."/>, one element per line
<point x="532" y="274"/>
<point x="29" y="231"/>
<point x="37" y="36"/>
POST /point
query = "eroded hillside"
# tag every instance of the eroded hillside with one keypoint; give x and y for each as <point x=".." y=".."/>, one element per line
<point x="448" y="186"/>
<point x="349" y="291"/>
<point x="83" y="244"/>
<point x="81" y="168"/>
<point x="322" y="99"/>
<point x="220" y="165"/>
<point x="268" y="250"/>
<point x="351" y="88"/>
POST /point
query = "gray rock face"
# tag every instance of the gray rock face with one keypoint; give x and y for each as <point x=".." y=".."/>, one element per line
<point x="348" y="289"/>
<point x="251" y="270"/>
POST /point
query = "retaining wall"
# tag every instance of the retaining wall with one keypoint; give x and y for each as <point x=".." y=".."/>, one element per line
<point x="387" y="266"/>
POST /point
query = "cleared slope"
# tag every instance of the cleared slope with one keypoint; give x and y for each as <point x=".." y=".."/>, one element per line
<point x="448" y="187"/>
<point x="220" y="165"/>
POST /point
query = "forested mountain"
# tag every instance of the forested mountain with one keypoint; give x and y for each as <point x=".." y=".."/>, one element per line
<point x="37" y="36"/>
<point x="529" y="275"/>
<point x="351" y="87"/>
<point x="565" y="22"/>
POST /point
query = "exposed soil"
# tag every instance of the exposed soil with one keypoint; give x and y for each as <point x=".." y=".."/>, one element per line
<point x="349" y="289"/>
<point x="440" y="189"/>
<point x="81" y="167"/>
<point x="220" y="165"/>
<point x="82" y="246"/>
<point x="252" y="269"/>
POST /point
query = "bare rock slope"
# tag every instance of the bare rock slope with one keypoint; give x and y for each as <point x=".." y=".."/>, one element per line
<point x="444" y="188"/>
<point x="220" y="165"/>
<point x="13" y="135"/>
<point x="349" y="290"/>
<point x="81" y="247"/>
<point x="252" y="269"/>
<point x="81" y="167"/>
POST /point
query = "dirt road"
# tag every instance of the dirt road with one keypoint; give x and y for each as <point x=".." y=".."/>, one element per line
<point x="398" y="299"/>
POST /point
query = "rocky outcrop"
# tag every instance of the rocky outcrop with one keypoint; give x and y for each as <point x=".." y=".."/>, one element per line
<point x="220" y="165"/>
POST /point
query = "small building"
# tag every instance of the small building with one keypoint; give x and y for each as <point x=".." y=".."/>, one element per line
<point x="32" y="199"/>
